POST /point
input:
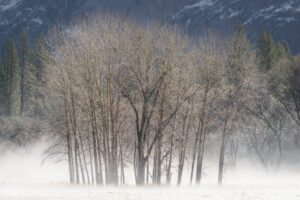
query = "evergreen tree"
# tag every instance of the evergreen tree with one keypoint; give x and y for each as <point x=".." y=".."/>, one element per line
<point x="25" y="57"/>
<point x="240" y="47"/>
<point x="266" y="51"/>
<point x="287" y="49"/>
<point x="3" y="89"/>
<point x="41" y="59"/>
<point x="13" y="78"/>
<point x="239" y="30"/>
<point x="280" y="51"/>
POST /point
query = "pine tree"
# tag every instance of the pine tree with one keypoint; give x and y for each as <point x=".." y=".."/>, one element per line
<point x="266" y="51"/>
<point x="239" y="48"/>
<point x="287" y="49"/>
<point x="41" y="59"/>
<point x="13" y="78"/>
<point x="280" y="51"/>
<point x="25" y="57"/>
<point x="239" y="31"/>
<point x="3" y="89"/>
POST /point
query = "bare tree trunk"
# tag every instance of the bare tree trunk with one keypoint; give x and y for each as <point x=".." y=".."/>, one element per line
<point x="201" y="138"/>
<point x="81" y="167"/>
<point x="105" y="153"/>
<point x="279" y="149"/>
<point x="222" y="155"/>
<point x="200" y="156"/>
<point x="157" y="161"/>
<point x="225" y="135"/>
<point x="141" y="172"/>
<point x="134" y="162"/>
<point x="69" y="142"/>
<point x="84" y="159"/>
<point x="158" y="155"/>
<point x="148" y="172"/>
<point x="122" y="164"/>
<point x="234" y="149"/>
<point x="76" y="163"/>
<point x="154" y="169"/>
<point x="169" y="174"/>
<point x="91" y="158"/>
<point x="70" y="158"/>
<point x="183" y="142"/>
<point x="95" y="147"/>
<point x="76" y="136"/>
<point x="194" y="157"/>
<point x="101" y="181"/>
<point x="141" y="164"/>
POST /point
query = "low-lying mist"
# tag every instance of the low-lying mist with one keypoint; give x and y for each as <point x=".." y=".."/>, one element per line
<point x="28" y="166"/>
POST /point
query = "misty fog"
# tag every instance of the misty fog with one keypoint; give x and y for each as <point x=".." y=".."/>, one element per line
<point x="27" y="176"/>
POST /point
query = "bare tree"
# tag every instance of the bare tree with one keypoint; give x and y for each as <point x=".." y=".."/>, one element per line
<point x="238" y="66"/>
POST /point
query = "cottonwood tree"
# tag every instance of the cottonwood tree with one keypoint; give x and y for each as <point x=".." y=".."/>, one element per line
<point x="266" y="135"/>
<point x="177" y="89"/>
<point x="284" y="85"/>
<point x="155" y="56"/>
<point x="237" y="78"/>
<point x="209" y="62"/>
<point x="123" y="94"/>
<point x="187" y="120"/>
<point x="98" y="66"/>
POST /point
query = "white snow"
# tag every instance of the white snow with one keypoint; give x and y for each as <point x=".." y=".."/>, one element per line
<point x="248" y="21"/>
<point x="9" y="4"/>
<point x="268" y="9"/>
<point x="41" y="8"/>
<point x="37" y="20"/>
<point x="285" y="7"/>
<point x="286" y="19"/>
<point x="233" y="14"/>
<point x="297" y="9"/>
<point x="4" y="23"/>
<point x="188" y="22"/>
<point x="220" y="10"/>
<point x="201" y="4"/>
<point x="23" y="177"/>
<point x="149" y="193"/>
<point x="175" y="16"/>
<point x="267" y="16"/>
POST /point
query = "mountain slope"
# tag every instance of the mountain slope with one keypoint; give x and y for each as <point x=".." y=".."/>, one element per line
<point x="280" y="17"/>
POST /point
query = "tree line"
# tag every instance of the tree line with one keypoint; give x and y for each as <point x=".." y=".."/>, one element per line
<point x="119" y="95"/>
<point x="21" y="76"/>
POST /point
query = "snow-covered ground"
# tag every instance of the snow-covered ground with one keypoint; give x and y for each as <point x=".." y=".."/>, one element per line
<point x="22" y="177"/>
<point x="60" y="192"/>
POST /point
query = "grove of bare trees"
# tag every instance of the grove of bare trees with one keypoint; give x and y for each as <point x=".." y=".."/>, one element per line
<point x="120" y="96"/>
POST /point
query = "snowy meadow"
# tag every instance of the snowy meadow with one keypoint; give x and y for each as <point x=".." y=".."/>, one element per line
<point x="24" y="177"/>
